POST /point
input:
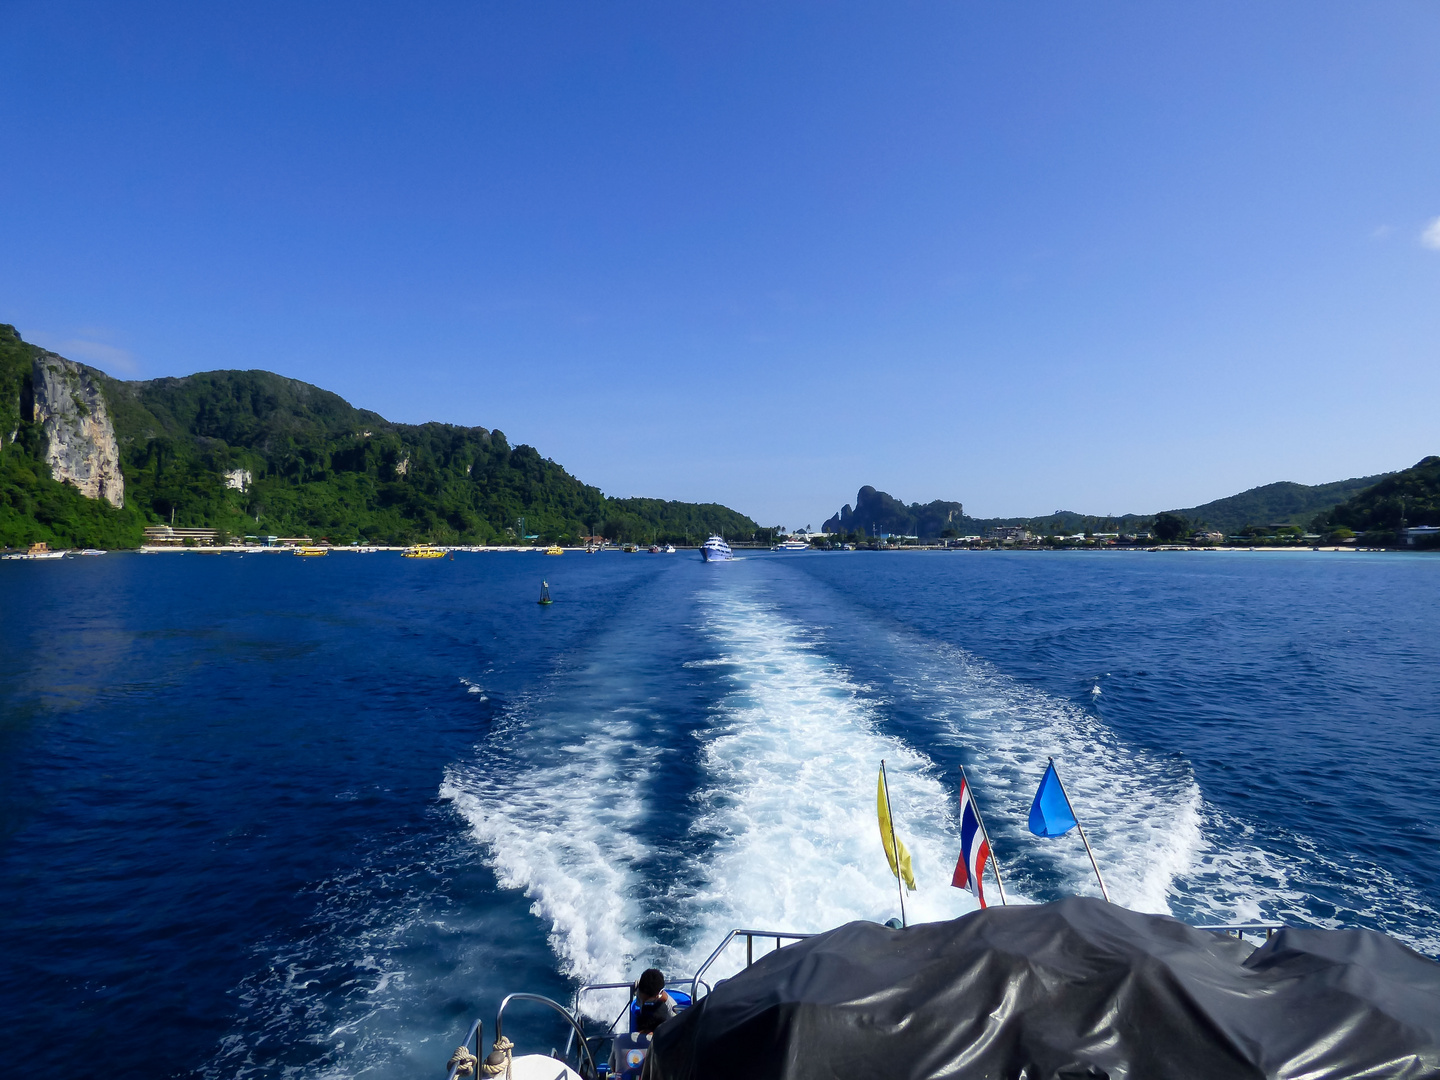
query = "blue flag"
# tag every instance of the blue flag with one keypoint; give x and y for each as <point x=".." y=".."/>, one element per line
<point x="1050" y="812"/>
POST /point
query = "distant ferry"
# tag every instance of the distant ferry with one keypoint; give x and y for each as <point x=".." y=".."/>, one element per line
<point x="554" y="549"/>
<point x="422" y="551"/>
<point x="307" y="551"/>
<point x="792" y="545"/>
<point x="716" y="550"/>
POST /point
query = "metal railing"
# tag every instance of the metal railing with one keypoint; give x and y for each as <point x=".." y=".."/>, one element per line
<point x="477" y="1032"/>
<point x="540" y="999"/>
<point x="693" y="982"/>
<point x="1241" y="929"/>
<point x="749" y="936"/>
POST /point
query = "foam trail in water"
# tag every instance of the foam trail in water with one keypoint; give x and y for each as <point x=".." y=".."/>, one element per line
<point x="1160" y="845"/>
<point x="1141" y="813"/>
<point x="557" y="798"/>
<point x="792" y="758"/>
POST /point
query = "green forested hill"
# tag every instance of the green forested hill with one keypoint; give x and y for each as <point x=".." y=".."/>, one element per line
<point x="1271" y="504"/>
<point x="1411" y="495"/>
<point x="251" y="452"/>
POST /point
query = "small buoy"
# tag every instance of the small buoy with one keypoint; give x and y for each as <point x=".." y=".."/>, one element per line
<point x="545" y="593"/>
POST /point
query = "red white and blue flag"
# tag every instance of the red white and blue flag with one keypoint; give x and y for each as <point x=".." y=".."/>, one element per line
<point x="974" y="847"/>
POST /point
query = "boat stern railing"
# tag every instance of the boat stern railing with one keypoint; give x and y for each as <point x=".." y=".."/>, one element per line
<point x="475" y="1035"/>
<point x="540" y="999"/>
<point x="1241" y="929"/>
<point x="780" y="937"/>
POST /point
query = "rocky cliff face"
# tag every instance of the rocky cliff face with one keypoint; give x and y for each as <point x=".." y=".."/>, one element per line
<point x="81" y="447"/>
<point x="878" y="513"/>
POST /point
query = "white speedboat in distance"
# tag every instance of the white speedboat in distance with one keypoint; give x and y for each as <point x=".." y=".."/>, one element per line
<point x="716" y="550"/>
<point x="792" y="545"/>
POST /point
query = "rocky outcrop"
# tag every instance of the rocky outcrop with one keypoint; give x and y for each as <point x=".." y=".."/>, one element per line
<point x="80" y="439"/>
<point x="879" y="514"/>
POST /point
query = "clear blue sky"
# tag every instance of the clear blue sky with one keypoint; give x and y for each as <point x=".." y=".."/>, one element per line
<point x="1105" y="257"/>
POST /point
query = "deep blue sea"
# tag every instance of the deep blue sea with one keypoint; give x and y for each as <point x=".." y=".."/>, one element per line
<point x="269" y="816"/>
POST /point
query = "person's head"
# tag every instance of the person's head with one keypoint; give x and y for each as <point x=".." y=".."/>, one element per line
<point x="650" y="984"/>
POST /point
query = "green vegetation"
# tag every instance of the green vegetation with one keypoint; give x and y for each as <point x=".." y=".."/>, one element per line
<point x="1280" y="503"/>
<point x="251" y="452"/>
<point x="1169" y="527"/>
<point x="659" y="521"/>
<point x="1407" y="498"/>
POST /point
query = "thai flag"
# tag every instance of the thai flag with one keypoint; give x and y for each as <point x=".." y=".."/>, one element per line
<point x="974" y="847"/>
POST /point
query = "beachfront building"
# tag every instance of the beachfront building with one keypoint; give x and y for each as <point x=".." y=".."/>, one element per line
<point x="168" y="536"/>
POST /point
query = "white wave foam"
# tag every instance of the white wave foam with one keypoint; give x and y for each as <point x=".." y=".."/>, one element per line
<point x="792" y="758"/>
<point x="563" y="830"/>
<point x="1160" y="845"/>
<point x="785" y="835"/>
<point x="1141" y="813"/>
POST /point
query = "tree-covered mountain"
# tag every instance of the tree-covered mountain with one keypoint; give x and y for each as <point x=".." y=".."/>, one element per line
<point x="252" y="452"/>
<point x="1411" y="497"/>
<point x="1280" y="503"/>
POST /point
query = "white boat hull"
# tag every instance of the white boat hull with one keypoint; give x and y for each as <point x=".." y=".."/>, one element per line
<point x="540" y="1067"/>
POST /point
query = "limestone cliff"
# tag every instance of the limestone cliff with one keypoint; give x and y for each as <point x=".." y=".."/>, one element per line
<point x="878" y="513"/>
<point x="80" y="439"/>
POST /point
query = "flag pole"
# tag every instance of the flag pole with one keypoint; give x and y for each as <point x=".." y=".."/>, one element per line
<point x="994" y="862"/>
<point x="895" y="847"/>
<point x="1103" y="891"/>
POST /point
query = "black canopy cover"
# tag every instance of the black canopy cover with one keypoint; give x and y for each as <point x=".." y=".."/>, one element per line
<point x="1077" y="988"/>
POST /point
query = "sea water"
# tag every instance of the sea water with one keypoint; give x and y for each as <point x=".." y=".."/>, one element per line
<point x="269" y="816"/>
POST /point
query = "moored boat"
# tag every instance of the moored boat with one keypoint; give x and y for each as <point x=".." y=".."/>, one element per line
<point x="37" y="550"/>
<point x="422" y="551"/>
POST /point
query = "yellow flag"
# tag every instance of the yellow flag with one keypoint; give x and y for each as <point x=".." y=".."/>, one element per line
<point x="887" y="835"/>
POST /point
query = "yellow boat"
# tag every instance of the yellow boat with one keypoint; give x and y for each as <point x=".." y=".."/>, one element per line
<point x="554" y="549"/>
<point x="312" y="551"/>
<point x="422" y="551"/>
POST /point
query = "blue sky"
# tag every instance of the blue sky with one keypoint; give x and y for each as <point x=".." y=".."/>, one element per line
<point x="1105" y="257"/>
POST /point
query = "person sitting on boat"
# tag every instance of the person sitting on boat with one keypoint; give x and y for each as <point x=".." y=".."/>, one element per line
<point x="655" y="1004"/>
<point x="650" y="1006"/>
